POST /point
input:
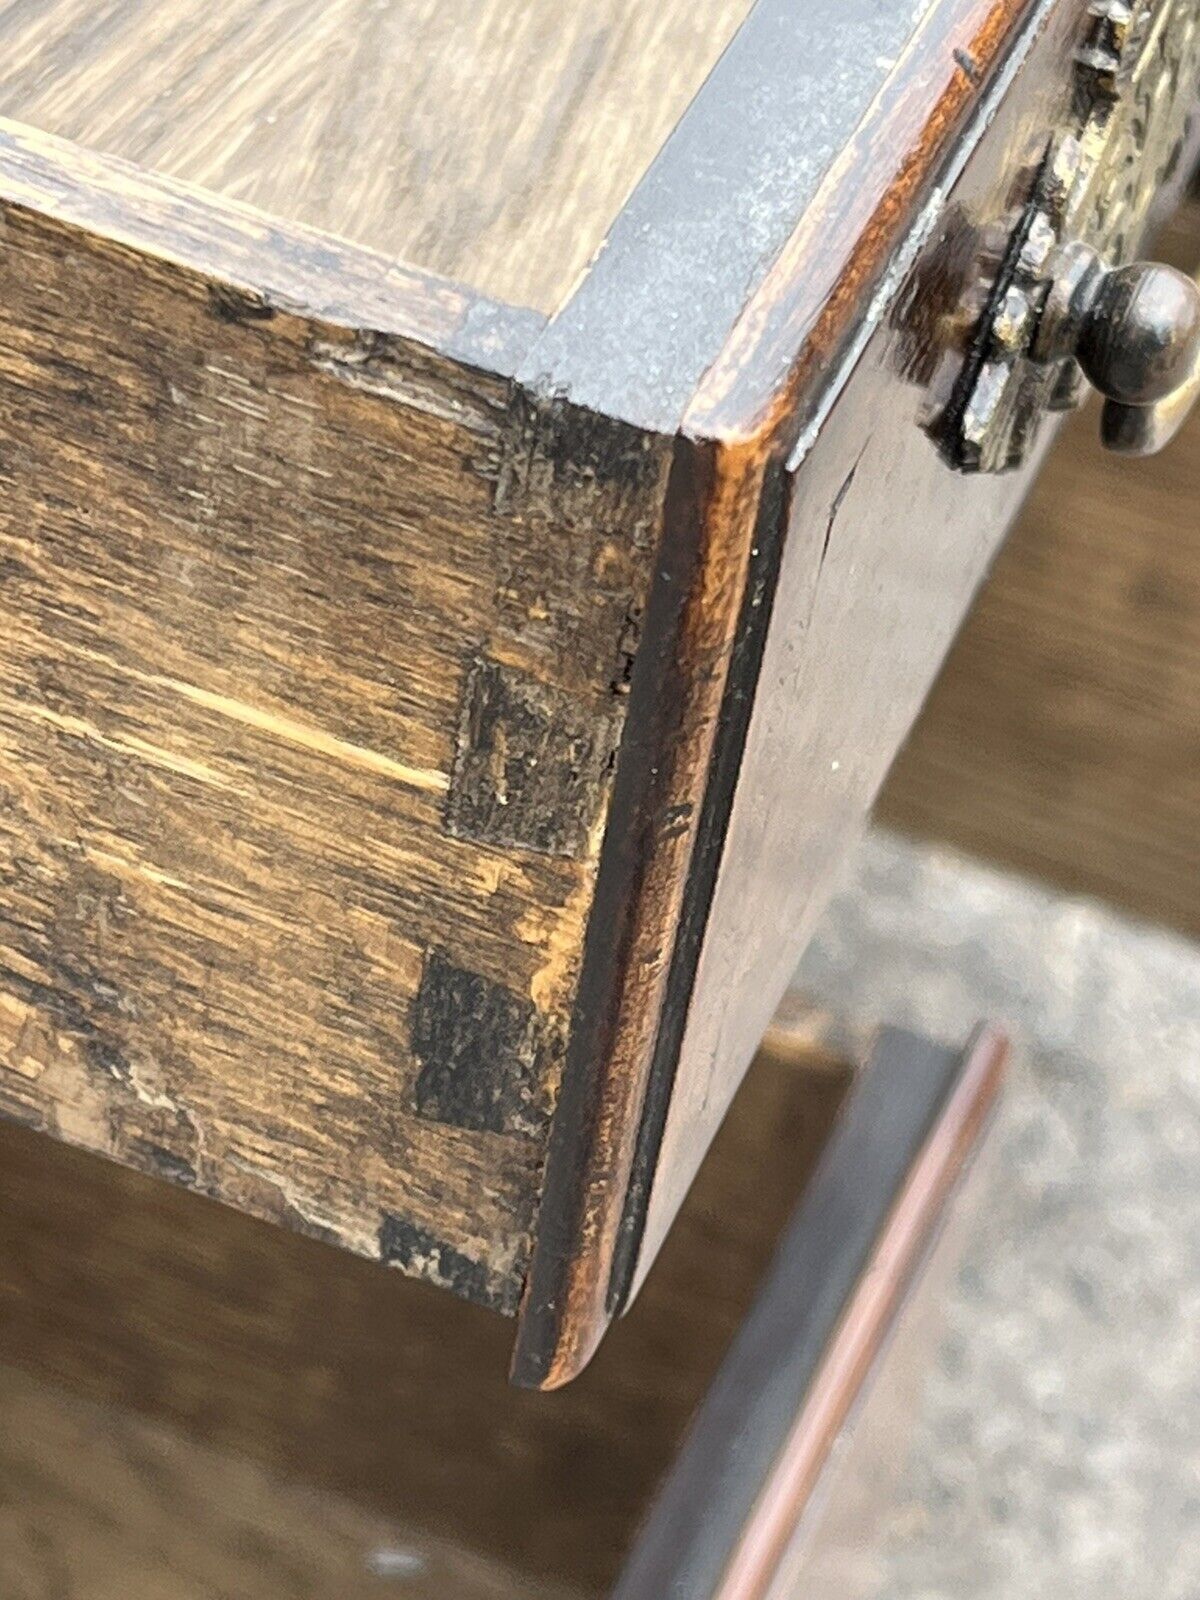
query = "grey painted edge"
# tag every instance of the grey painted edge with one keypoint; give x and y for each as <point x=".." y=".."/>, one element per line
<point x="701" y="230"/>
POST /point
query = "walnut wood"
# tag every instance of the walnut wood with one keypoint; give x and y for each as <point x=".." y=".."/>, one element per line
<point x="796" y="815"/>
<point x="883" y="550"/>
<point x="313" y="665"/>
<point x="399" y="690"/>
<point x="781" y="194"/>
<point x="1062" y="736"/>
<point x="479" y="139"/>
<point x="256" y="1343"/>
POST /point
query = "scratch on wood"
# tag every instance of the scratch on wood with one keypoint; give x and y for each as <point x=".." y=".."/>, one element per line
<point x="303" y="734"/>
<point x="140" y="869"/>
<point x="279" y="1197"/>
<point x="128" y="745"/>
<point x="238" y="305"/>
<point x="417" y="1251"/>
<point x="376" y="363"/>
<point x="838" y="501"/>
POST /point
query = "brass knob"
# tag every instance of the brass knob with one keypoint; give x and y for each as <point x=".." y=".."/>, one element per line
<point x="1140" y="338"/>
<point x="1135" y="331"/>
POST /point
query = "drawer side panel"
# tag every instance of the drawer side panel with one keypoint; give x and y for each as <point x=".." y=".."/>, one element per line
<point x="312" y="676"/>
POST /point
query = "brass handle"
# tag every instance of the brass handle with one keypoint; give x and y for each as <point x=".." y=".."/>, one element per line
<point x="1135" y="332"/>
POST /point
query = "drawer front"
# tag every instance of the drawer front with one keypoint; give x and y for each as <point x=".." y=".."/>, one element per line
<point x="781" y="1470"/>
<point x="885" y="536"/>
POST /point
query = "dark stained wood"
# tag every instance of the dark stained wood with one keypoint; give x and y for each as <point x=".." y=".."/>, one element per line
<point x="268" y="927"/>
<point x="801" y="156"/>
<point x="755" y="1452"/>
<point x="489" y="141"/>
<point x="430" y="733"/>
<point x="520" y="733"/>
<point x="1062" y="736"/>
<point x="960" y="60"/>
<point x="676" y="694"/>
<point x="258" y="1344"/>
<point x="620" y="346"/>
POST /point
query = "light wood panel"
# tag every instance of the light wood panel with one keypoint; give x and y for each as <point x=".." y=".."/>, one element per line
<point x="1063" y="737"/>
<point x="488" y="140"/>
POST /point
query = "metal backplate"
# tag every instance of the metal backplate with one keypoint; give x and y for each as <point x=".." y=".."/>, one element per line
<point x="1137" y="76"/>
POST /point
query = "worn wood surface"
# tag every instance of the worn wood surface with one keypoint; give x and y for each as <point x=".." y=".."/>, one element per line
<point x="490" y="142"/>
<point x="783" y="191"/>
<point x="1062" y="737"/>
<point x="312" y="673"/>
<point x="883" y="551"/>
<point x="823" y="656"/>
<point x="378" y="707"/>
<point x="355" y="1382"/>
<point x="546" y="545"/>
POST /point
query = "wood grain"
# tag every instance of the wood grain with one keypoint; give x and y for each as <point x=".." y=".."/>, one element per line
<point x="485" y="141"/>
<point x="884" y="546"/>
<point x="326" y="1372"/>
<point x="781" y="194"/>
<point x="313" y="659"/>
<point x="98" y="1504"/>
<point x="1062" y="737"/>
<point x="374" y="699"/>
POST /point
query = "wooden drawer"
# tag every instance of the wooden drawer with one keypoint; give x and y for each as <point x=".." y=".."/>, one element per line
<point x="196" y="1404"/>
<point x="432" y="714"/>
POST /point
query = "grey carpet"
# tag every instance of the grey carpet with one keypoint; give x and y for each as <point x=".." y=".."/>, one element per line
<point x="1057" y="1450"/>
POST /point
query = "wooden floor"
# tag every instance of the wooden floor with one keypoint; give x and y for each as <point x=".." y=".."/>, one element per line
<point x="100" y="1504"/>
<point x="195" y="1405"/>
<point x="1063" y="738"/>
